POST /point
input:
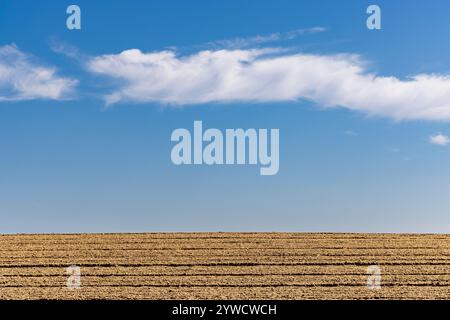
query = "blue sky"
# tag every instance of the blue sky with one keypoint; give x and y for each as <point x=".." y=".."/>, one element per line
<point x="354" y="157"/>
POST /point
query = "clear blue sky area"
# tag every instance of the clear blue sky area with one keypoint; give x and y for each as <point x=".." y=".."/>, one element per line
<point x="72" y="162"/>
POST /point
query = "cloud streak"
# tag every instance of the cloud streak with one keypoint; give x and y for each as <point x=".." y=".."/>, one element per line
<point x="269" y="75"/>
<point x="240" y="43"/>
<point x="22" y="79"/>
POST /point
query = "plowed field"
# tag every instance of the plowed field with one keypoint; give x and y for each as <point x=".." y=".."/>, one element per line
<point x="225" y="266"/>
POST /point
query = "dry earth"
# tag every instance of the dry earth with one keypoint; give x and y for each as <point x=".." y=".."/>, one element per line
<point x="225" y="266"/>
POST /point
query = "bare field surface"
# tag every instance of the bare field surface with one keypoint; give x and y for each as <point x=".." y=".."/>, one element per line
<point x="225" y="266"/>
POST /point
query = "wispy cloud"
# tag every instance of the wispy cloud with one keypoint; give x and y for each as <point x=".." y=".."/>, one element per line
<point x="351" y="133"/>
<point x="23" y="79"/>
<point x="67" y="50"/>
<point x="265" y="75"/>
<point x="242" y="42"/>
<point x="439" y="139"/>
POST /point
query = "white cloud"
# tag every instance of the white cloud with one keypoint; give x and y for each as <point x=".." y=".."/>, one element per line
<point x="439" y="139"/>
<point x="21" y="79"/>
<point x="270" y="75"/>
